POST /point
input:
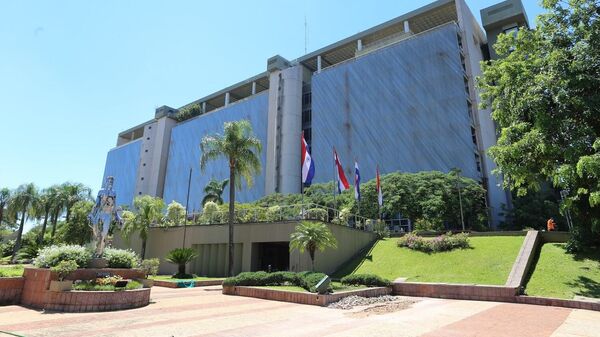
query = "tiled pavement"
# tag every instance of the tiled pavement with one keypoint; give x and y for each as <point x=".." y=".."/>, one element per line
<point x="206" y="312"/>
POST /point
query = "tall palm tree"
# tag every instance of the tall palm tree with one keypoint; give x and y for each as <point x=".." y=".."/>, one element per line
<point x="4" y="199"/>
<point x="57" y="200"/>
<point x="311" y="236"/>
<point x="242" y="151"/>
<point x="43" y="206"/>
<point x="213" y="191"/>
<point x="147" y="212"/>
<point x="74" y="192"/>
<point x="22" y="202"/>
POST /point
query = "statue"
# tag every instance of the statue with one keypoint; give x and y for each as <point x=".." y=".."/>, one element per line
<point x="102" y="215"/>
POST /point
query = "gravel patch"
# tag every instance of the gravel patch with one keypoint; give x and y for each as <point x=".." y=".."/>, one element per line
<point x="350" y="302"/>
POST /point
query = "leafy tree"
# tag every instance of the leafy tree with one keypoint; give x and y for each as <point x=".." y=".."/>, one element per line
<point x="147" y="211"/>
<point x="22" y="202"/>
<point x="533" y="210"/>
<point x="543" y="92"/>
<point x="78" y="230"/>
<point x="4" y="198"/>
<point x="310" y="236"/>
<point x="56" y="198"/>
<point x="72" y="193"/>
<point x="43" y="206"/>
<point x="175" y="214"/>
<point x="242" y="151"/>
<point x="188" y="112"/>
<point x="181" y="257"/>
<point x="213" y="191"/>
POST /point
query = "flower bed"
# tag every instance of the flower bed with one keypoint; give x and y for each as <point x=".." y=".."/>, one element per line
<point x="442" y="243"/>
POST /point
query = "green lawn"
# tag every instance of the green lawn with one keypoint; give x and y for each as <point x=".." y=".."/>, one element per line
<point x="337" y="287"/>
<point x="562" y="275"/>
<point x="488" y="261"/>
<point x="171" y="279"/>
<point x="11" y="271"/>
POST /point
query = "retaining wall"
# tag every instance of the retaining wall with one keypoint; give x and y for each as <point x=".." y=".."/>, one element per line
<point x="10" y="290"/>
<point x="455" y="291"/>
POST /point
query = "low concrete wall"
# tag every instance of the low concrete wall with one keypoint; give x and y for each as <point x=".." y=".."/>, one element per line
<point x="186" y="284"/>
<point x="301" y="297"/>
<point x="455" y="291"/>
<point x="212" y="262"/>
<point x="555" y="237"/>
<point x="522" y="265"/>
<point x="10" y="290"/>
<point x="88" y="301"/>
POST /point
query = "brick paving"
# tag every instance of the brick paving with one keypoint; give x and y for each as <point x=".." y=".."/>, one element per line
<point x="206" y="312"/>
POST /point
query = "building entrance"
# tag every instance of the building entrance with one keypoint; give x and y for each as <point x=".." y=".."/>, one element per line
<point x="272" y="256"/>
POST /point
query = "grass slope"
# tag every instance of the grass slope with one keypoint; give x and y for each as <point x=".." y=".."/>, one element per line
<point x="562" y="275"/>
<point x="488" y="261"/>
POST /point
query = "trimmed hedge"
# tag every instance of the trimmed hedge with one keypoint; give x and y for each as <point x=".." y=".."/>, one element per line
<point x="306" y="279"/>
<point x="369" y="280"/>
<point x="51" y="256"/>
<point x="121" y="258"/>
<point x="442" y="243"/>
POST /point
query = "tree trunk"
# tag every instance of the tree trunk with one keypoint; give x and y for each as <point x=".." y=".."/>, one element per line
<point x="41" y="238"/>
<point x="1" y="213"/>
<point x="311" y="252"/>
<point x="143" y="253"/>
<point x="181" y="269"/>
<point x="19" y="236"/>
<point x="231" y="215"/>
<point x="54" y="220"/>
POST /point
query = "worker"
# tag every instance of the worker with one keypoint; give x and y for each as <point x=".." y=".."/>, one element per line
<point x="551" y="225"/>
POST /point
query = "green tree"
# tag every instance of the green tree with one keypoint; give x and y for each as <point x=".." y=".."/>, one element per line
<point x="310" y="236"/>
<point x="4" y="198"/>
<point x="22" y="203"/>
<point x="78" y="230"/>
<point x="213" y="191"/>
<point x="56" y="198"/>
<point x="147" y="211"/>
<point x="175" y="214"/>
<point x="72" y="193"/>
<point x="544" y="97"/>
<point x="242" y="152"/>
<point x="181" y="257"/>
<point x="43" y="206"/>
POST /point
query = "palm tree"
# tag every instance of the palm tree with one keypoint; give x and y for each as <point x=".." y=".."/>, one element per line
<point x="56" y="198"/>
<point x="213" y="191"/>
<point x="22" y="202"/>
<point x="242" y="151"/>
<point x="147" y="212"/>
<point x="43" y="206"/>
<point x="4" y="199"/>
<point x="181" y="257"/>
<point x="312" y="236"/>
<point x="74" y="192"/>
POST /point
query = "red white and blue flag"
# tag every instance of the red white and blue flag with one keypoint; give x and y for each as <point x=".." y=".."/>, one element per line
<point x="356" y="182"/>
<point x="341" y="177"/>
<point x="308" y="165"/>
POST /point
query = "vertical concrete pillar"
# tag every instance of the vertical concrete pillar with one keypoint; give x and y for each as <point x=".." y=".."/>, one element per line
<point x="203" y="107"/>
<point x="247" y="256"/>
<point x="319" y="64"/>
<point x="359" y="46"/>
<point x="253" y="88"/>
<point x="406" y="27"/>
<point x="226" y="99"/>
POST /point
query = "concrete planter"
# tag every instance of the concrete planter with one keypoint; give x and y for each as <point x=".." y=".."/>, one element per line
<point x="59" y="286"/>
<point x="147" y="283"/>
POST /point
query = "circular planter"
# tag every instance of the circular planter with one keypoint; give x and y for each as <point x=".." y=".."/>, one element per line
<point x="89" y="301"/>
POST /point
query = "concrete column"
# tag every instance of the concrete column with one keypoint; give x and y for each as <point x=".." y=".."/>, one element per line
<point x="406" y="27"/>
<point x="247" y="256"/>
<point x="253" y="88"/>
<point x="319" y="64"/>
<point x="226" y="99"/>
<point x="203" y="107"/>
<point x="359" y="46"/>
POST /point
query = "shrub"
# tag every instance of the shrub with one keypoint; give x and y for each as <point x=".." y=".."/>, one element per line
<point x="369" y="280"/>
<point x="316" y="214"/>
<point x="181" y="257"/>
<point x="440" y="243"/>
<point x="150" y="266"/>
<point x="381" y="229"/>
<point x="64" y="268"/>
<point x="274" y="213"/>
<point x="93" y="286"/>
<point x="307" y="280"/>
<point x="120" y="258"/>
<point x="53" y="255"/>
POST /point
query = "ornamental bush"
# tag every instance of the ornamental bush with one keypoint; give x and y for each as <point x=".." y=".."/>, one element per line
<point x="442" y="243"/>
<point x="64" y="268"/>
<point x="51" y="256"/>
<point x="307" y="279"/>
<point x="121" y="258"/>
<point x="150" y="266"/>
<point x="369" y="280"/>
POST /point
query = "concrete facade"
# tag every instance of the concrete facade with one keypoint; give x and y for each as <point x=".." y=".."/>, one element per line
<point x="210" y="241"/>
<point x="400" y="95"/>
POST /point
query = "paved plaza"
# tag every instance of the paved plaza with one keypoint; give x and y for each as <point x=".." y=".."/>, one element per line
<point x="207" y="312"/>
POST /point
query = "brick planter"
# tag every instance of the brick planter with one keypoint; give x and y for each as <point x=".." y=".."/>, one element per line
<point x="456" y="291"/>
<point x="300" y="297"/>
<point x="10" y="290"/>
<point x="36" y="294"/>
<point x="186" y="284"/>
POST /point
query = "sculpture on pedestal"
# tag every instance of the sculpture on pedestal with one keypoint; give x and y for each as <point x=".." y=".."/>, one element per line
<point x="102" y="215"/>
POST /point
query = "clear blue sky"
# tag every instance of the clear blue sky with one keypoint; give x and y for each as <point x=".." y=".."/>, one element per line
<point x="75" y="73"/>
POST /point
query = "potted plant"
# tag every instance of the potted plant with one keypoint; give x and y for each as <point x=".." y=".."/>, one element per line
<point x="63" y="269"/>
<point x="150" y="267"/>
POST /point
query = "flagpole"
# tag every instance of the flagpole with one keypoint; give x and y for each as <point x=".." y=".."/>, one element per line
<point x="334" y="181"/>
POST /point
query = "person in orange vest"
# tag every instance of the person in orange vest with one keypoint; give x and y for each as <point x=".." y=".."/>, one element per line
<point x="551" y="225"/>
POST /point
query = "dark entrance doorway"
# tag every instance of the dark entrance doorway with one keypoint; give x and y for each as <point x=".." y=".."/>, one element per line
<point x="273" y="256"/>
